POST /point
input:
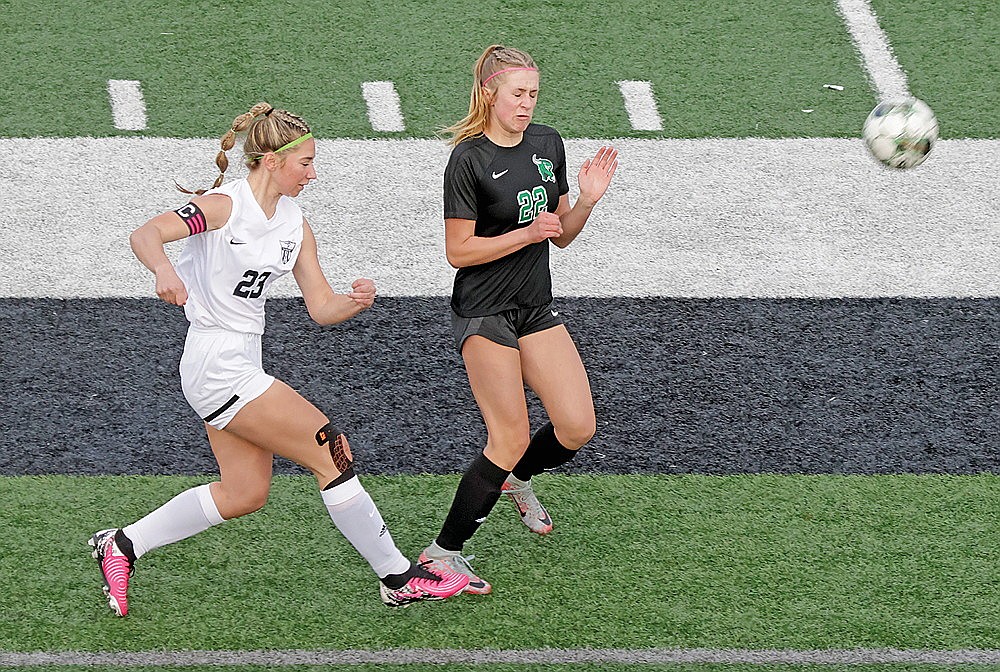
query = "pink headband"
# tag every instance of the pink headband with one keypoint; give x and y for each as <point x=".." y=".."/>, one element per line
<point x="500" y="72"/>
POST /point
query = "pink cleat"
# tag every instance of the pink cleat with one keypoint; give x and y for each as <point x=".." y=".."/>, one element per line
<point x="428" y="585"/>
<point x="533" y="514"/>
<point x="439" y="560"/>
<point x="116" y="569"/>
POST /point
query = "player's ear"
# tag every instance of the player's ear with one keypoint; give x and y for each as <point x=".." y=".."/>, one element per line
<point x="270" y="161"/>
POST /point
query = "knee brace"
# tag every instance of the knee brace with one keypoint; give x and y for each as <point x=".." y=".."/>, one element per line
<point x="340" y="451"/>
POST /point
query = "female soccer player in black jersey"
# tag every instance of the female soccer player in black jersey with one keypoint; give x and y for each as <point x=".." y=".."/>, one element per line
<point x="505" y="199"/>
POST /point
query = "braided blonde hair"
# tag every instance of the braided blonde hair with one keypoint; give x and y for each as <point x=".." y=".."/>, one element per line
<point x="495" y="58"/>
<point x="267" y="129"/>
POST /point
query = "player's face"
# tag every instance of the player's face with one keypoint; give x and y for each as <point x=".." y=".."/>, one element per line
<point x="514" y="101"/>
<point x="298" y="169"/>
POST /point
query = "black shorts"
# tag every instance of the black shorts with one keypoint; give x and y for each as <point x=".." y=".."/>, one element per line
<point x="504" y="327"/>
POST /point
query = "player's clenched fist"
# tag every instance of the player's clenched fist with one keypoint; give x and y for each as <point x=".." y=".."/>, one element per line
<point x="363" y="292"/>
<point x="546" y="225"/>
<point x="169" y="286"/>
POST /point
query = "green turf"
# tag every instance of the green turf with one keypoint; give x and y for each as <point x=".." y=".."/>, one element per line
<point x="635" y="562"/>
<point x="947" y="46"/>
<point x="718" y="68"/>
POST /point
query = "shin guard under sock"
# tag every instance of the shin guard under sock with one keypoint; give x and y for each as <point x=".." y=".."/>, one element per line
<point x="358" y="519"/>
<point x="476" y="496"/>
<point x="184" y="516"/>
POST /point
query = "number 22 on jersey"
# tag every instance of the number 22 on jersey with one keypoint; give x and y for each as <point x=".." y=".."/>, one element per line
<point x="532" y="203"/>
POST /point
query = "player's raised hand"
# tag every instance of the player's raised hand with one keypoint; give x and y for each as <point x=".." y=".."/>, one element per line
<point x="363" y="292"/>
<point x="595" y="174"/>
<point x="546" y="225"/>
<point x="169" y="286"/>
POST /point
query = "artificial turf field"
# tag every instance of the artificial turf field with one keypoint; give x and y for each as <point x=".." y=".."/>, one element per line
<point x="746" y="562"/>
<point x="719" y="69"/>
<point x="863" y="556"/>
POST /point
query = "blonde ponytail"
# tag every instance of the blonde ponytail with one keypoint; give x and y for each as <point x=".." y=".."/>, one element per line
<point x="267" y="130"/>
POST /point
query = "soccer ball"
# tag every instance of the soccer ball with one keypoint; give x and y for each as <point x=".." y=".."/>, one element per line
<point x="901" y="133"/>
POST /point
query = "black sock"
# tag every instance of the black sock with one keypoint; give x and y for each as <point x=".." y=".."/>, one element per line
<point x="477" y="493"/>
<point x="544" y="452"/>
<point x="125" y="546"/>
<point x="397" y="581"/>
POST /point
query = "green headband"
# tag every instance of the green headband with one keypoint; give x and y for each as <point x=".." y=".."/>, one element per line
<point x="294" y="143"/>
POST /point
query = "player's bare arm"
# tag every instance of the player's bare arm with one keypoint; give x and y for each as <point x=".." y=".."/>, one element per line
<point x="326" y="306"/>
<point x="465" y="248"/>
<point x="204" y="213"/>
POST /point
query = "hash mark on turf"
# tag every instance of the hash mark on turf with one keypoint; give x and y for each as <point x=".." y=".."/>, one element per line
<point x="383" y="106"/>
<point x="640" y="105"/>
<point x="127" y="106"/>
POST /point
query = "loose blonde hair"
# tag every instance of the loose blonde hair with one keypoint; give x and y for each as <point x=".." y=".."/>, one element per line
<point x="267" y="129"/>
<point x="495" y="58"/>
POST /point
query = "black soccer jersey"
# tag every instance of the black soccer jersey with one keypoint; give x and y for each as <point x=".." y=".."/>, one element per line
<point x="502" y="189"/>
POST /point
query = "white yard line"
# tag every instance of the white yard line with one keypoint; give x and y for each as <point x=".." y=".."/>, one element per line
<point x="508" y="657"/>
<point x="887" y="77"/>
<point x="382" y="100"/>
<point x="640" y="105"/>
<point x="127" y="106"/>
<point x="737" y="218"/>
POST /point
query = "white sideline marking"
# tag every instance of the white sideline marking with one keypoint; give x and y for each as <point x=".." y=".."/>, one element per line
<point x="880" y="63"/>
<point x="734" y="218"/>
<point x="127" y="106"/>
<point x="382" y="100"/>
<point x="522" y="657"/>
<point x="640" y="105"/>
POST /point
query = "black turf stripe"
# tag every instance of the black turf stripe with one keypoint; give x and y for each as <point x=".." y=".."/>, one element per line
<point x="709" y="386"/>
<point x="222" y="409"/>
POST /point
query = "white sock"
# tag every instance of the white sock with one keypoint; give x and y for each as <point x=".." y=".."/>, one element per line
<point x="356" y="516"/>
<point x="184" y="516"/>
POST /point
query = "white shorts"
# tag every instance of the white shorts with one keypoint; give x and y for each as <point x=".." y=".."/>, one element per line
<point x="221" y="373"/>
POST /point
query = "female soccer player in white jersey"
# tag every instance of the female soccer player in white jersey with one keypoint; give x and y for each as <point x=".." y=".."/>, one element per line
<point x="243" y="235"/>
<point x="505" y="199"/>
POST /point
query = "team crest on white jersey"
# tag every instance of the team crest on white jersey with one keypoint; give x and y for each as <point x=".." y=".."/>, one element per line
<point x="287" y="247"/>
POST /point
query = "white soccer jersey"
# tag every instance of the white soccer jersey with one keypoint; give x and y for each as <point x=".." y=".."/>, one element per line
<point x="228" y="271"/>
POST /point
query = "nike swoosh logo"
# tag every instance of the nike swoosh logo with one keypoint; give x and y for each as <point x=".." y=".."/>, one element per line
<point x="481" y="520"/>
<point x="555" y="313"/>
<point x="499" y="175"/>
<point x="237" y="242"/>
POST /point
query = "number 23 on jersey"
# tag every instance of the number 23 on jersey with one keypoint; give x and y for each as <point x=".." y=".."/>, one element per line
<point x="252" y="285"/>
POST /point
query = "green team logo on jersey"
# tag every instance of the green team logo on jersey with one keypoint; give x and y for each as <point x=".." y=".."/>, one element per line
<point x="544" y="168"/>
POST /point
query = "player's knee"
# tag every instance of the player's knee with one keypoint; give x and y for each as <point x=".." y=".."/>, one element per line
<point x="577" y="432"/>
<point x="335" y="440"/>
<point x="511" y="439"/>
